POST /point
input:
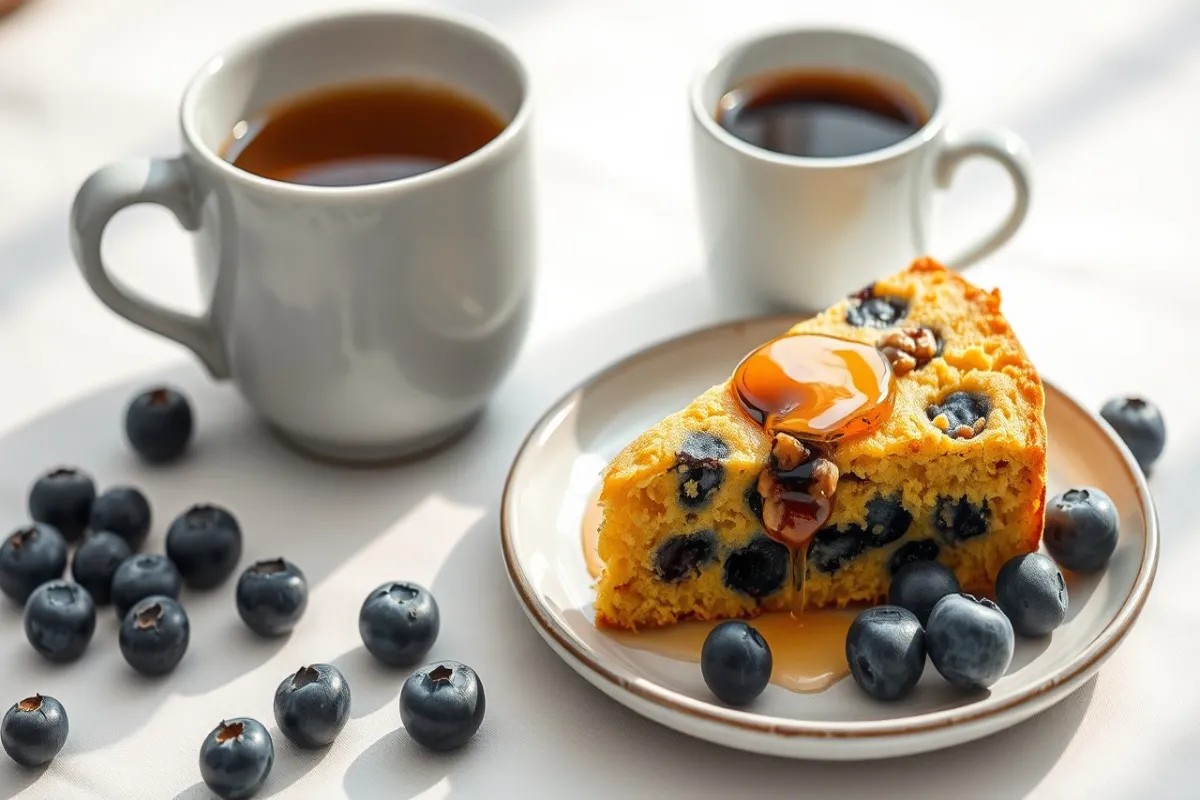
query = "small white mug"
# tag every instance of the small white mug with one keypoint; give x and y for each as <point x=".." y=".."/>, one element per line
<point x="363" y="322"/>
<point x="802" y="232"/>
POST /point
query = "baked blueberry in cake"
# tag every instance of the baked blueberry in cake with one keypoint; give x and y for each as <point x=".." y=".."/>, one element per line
<point x="904" y="423"/>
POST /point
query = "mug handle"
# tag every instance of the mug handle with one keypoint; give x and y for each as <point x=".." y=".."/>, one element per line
<point x="111" y="189"/>
<point x="1008" y="150"/>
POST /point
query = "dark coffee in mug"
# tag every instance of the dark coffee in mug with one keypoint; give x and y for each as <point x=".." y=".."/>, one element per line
<point x="820" y="114"/>
<point x="362" y="133"/>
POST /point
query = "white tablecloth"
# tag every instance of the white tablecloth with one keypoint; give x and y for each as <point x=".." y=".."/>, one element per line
<point x="1102" y="283"/>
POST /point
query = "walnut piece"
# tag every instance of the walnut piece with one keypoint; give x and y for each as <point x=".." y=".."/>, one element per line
<point x="902" y="362"/>
<point x="775" y="496"/>
<point x="772" y="495"/>
<point x="908" y="348"/>
<point x="968" y="431"/>
<point x="788" y="452"/>
<point x="824" y="478"/>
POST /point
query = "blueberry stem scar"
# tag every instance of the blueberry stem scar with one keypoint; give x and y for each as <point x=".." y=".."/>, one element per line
<point x="229" y="731"/>
<point x="270" y="566"/>
<point x="30" y="703"/>
<point x="149" y="617"/>
<point x="441" y="673"/>
<point x="401" y="592"/>
<point x="304" y="676"/>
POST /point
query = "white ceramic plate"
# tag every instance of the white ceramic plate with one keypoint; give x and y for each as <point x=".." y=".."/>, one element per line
<point x="559" y="466"/>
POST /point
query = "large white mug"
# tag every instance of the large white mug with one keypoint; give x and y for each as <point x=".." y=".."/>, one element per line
<point x="362" y="322"/>
<point x="801" y="232"/>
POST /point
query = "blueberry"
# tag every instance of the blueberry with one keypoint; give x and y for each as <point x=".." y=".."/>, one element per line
<point x="272" y="596"/>
<point x="970" y="641"/>
<point x="1031" y="592"/>
<point x="95" y="563"/>
<point x="1081" y="529"/>
<point x="683" y="556"/>
<point x="916" y="550"/>
<point x="919" y="585"/>
<point x="736" y="662"/>
<point x="34" y="730"/>
<point x="312" y="706"/>
<point x="703" y="446"/>
<point x="758" y="569"/>
<point x="399" y="622"/>
<point x="124" y="511"/>
<point x="959" y="520"/>
<point x="963" y="410"/>
<point x="205" y="542"/>
<point x="699" y="467"/>
<point x="63" y="499"/>
<point x="154" y="635"/>
<point x="236" y="758"/>
<point x="158" y="424"/>
<point x="754" y="501"/>
<point x="832" y="547"/>
<point x="1140" y="425"/>
<point x="60" y="619"/>
<point x="140" y="577"/>
<point x="869" y="310"/>
<point x="30" y="557"/>
<point x="887" y="520"/>
<point x="885" y="648"/>
<point x="442" y="705"/>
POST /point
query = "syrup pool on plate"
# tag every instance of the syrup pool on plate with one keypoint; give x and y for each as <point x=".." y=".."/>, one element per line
<point x="808" y="651"/>
<point x="593" y="515"/>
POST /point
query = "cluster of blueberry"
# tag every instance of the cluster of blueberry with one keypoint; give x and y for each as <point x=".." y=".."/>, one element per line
<point x="969" y="640"/>
<point x="441" y="704"/>
<point x="203" y="547"/>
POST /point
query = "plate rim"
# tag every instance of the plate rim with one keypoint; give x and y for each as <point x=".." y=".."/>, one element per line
<point x="1081" y="666"/>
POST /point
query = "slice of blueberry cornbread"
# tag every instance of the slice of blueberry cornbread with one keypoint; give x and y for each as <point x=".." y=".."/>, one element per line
<point x="955" y="472"/>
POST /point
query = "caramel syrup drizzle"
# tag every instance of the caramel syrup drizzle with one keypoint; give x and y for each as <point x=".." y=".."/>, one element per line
<point x="820" y="390"/>
<point x="817" y="388"/>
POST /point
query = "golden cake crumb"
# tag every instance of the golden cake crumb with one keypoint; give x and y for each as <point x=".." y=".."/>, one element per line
<point x="956" y="473"/>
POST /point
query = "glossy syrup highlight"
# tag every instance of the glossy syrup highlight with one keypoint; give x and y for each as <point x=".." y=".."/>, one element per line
<point x="817" y="388"/>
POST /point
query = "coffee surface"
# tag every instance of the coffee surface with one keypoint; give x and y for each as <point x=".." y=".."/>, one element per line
<point x="362" y="134"/>
<point x="820" y="114"/>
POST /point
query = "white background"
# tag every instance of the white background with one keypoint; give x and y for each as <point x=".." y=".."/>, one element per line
<point x="1103" y="284"/>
